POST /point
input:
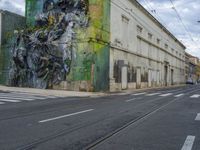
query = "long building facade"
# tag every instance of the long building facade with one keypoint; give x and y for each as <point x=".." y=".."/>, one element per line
<point x="143" y="52"/>
<point x="95" y="45"/>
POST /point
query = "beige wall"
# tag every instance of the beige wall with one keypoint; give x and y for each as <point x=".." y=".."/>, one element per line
<point x="134" y="38"/>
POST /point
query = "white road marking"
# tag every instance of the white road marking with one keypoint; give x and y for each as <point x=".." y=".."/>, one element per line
<point x="16" y="98"/>
<point x="8" y="100"/>
<point x="152" y="94"/>
<point x="195" y="96"/>
<point x="133" y="99"/>
<point x="34" y="94"/>
<point x="64" y="116"/>
<point x="179" y="95"/>
<point x="22" y="96"/>
<point x="197" y="117"/>
<point x="139" y="94"/>
<point x="188" y="143"/>
<point x="1" y="103"/>
<point x="164" y="95"/>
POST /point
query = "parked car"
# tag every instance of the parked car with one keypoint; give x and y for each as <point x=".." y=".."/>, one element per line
<point x="189" y="81"/>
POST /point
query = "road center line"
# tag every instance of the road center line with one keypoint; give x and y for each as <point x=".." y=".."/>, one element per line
<point x="64" y="116"/>
<point x="197" y="117"/>
<point x="188" y="143"/>
<point x="133" y="99"/>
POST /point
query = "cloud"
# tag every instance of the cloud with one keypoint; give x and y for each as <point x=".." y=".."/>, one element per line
<point x="164" y="12"/>
<point x="189" y="13"/>
<point x="16" y="6"/>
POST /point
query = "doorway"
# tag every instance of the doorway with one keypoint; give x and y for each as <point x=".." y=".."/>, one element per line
<point x="124" y="77"/>
<point x="165" y="75"/>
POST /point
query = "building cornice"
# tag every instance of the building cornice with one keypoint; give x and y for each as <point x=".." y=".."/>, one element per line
<point x="138" y="5"/>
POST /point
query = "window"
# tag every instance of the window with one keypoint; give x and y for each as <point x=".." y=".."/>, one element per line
<point x="166" y="46"/>
<point x="158" y="41"/>
<point x="125" y="19"/>
<point x="139" y="29"/>
<point x="172" y="51"/>
<point x="125" y="31"/>
<point x="150" y="36"/>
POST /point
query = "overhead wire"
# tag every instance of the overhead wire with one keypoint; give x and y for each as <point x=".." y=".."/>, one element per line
<point x="130" y="12"/>
<point x="181" y="21"/>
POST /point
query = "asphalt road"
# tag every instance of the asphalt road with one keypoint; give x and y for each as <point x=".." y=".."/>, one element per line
<point x="162" y="119"/>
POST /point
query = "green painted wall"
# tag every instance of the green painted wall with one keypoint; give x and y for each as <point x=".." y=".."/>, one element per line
<point x="91" y="63"/>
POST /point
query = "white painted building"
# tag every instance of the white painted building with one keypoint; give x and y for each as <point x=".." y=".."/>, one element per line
<point x="143" y="52"/>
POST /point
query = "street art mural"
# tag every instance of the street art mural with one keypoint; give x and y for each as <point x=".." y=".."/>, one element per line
<point x="42" y="55"/>
<point x="64" y="46"/>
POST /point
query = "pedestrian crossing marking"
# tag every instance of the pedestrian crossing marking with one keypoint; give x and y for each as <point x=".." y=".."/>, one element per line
<point x="9" y="100"/>
<point x="195" y="96"/>
<point x="16" y="98"/>
<point x="152" y="94"/>
<point x="179" y="95"/>
<point x="139" y="94"/>
<point x="164" y="95"/>
<point x="22" y="96"/>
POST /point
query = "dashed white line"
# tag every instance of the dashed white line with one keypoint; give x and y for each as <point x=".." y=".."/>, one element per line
<point x="15" y="98"/>
<point x="139" y="94"/>
<point x="133" y="99"/>
<point x="64" y="116"/>
<point x="179" y="95"/>
<point x="195" y="96"/>
<point x="152" y="94"/>
<point x="168" y="94"/>
<point x="188" y="143"/>
<point x="8" y="100"/>
<point x="197" y="117"/>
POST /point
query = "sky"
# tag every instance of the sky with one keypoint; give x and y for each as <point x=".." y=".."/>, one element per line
<point x="180" y="18"/>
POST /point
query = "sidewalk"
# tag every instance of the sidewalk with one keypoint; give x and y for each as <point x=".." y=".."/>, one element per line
<point x="63" y="93"/>
<point x="49" y="92"/>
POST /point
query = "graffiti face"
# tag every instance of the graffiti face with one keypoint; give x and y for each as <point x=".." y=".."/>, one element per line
<point x="42" y="56"/>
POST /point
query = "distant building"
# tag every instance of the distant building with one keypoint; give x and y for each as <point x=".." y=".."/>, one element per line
<point x="8" y="23"/>
<point x="192" y="68"/>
